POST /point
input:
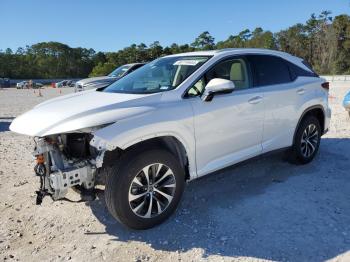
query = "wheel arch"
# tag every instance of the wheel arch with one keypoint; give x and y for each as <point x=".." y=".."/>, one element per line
<point x="169" y="142"/>
<point x="317" y="111"/>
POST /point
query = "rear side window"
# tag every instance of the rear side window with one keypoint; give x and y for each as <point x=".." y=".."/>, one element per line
<point x="269" y="70"/>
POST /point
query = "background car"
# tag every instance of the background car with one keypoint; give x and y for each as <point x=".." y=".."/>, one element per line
<point x="65" y="83"/>
<point x="37" y="85"/>
<point x="22" y="84"/>
<point x="71" y="83"/>
<point x="61" y="83"/>
<point x="346" y="102"/>
<point x="103" y="81"/>
<point x="26" y="84"/>
<point x="4" y="82"/>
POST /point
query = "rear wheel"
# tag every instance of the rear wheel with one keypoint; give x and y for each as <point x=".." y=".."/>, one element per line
<point x="144" y="188"/>
<point x="307" y="140"/>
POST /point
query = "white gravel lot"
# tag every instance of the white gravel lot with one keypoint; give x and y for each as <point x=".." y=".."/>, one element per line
<point x="262" y="209"/>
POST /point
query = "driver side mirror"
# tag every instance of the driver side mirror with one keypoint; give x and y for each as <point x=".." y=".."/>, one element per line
<point x="217" y="86"/>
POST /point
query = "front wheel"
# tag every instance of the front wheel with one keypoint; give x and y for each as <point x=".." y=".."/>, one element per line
<point x="144" y="188"/>
<point x="307" y="140"/>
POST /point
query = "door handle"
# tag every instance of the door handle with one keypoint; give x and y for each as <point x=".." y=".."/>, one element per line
<point x="301" y="91"/>
<point x="255" y="100"/>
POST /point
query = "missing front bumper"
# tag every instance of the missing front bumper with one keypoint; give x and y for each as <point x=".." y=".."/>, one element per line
<point x="61" y="180"/>
<point x="58" y="173"/>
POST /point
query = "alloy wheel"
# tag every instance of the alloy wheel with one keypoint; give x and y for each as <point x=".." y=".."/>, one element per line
<point x="152" y="190"/>
<point x="309" y="140"/>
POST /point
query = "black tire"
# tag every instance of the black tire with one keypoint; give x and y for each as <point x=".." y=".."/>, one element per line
<point x="298" y="150"/>
<point x="121" y="176"/>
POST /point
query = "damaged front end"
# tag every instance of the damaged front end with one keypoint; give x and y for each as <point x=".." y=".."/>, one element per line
<point x="66" y="161"/>
<point x="72" y="134"/>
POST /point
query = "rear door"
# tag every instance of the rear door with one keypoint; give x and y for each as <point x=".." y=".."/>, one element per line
<point x="282" y="97"/>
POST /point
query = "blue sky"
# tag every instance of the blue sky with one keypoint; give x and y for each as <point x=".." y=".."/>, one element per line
<point x="111" y="25"/>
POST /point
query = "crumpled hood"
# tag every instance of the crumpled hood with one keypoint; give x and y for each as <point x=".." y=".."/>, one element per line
<point x="81" y="110"/>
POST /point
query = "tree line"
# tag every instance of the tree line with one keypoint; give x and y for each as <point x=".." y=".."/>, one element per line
<point x="322" y="40"/>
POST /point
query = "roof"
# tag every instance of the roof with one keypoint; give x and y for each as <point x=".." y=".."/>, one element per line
<point x="133" y="64"/>
<point x="237" y="51"/>
<point x="234" y="51"/>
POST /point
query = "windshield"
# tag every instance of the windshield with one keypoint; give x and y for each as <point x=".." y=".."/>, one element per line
<point x="120" y="71"/>
<point x="160" y="75"/>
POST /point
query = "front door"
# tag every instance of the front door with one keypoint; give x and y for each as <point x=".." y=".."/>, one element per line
<point x="229" y="128"/>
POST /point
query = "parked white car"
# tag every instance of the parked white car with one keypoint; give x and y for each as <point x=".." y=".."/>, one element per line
<point x="22" y="85"/>
<point x="28" y="84"/>
<point x="175" y="119"/>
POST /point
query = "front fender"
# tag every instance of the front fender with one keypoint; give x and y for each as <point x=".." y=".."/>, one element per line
<point x="173" y="119"/>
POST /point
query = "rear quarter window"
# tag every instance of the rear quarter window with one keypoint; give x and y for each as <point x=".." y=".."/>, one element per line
<point x="297" y="71"/>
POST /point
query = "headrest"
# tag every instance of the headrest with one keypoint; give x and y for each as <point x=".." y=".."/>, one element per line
<point x="236" y="73"/>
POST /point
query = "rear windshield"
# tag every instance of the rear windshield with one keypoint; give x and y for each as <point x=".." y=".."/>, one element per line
<point x="120" y="71"/>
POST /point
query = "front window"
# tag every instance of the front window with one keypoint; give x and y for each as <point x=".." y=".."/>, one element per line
<point x="234" y="70"/>
<point x="120" y="71"/>
<point x="160" y="75"/>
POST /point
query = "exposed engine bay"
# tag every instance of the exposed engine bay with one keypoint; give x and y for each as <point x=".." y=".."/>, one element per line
<point x="65" y="161"/>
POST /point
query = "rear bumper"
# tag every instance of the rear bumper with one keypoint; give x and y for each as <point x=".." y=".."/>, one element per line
<point x="327" y="120"/>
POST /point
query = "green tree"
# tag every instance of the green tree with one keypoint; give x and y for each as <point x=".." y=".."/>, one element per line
<point x="102" y="69"/>
<point x="341" y="27"/>
<point x="322" y="41"/>
<point x="204" y="41"/>
<point x="156" y="50"/>
<point x="294" y="40"/>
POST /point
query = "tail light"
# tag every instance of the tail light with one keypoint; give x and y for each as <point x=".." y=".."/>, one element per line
<point x="325" y="85"/>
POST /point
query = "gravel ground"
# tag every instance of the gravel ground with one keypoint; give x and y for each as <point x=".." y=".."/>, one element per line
<point x="262" y="209"/>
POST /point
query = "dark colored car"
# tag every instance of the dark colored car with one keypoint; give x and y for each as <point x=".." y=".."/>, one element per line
<point x="4" y="82"/>
<point x="103" y="81"/>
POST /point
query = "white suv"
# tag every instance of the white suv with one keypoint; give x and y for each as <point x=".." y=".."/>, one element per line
<point x="175" y="119"/>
